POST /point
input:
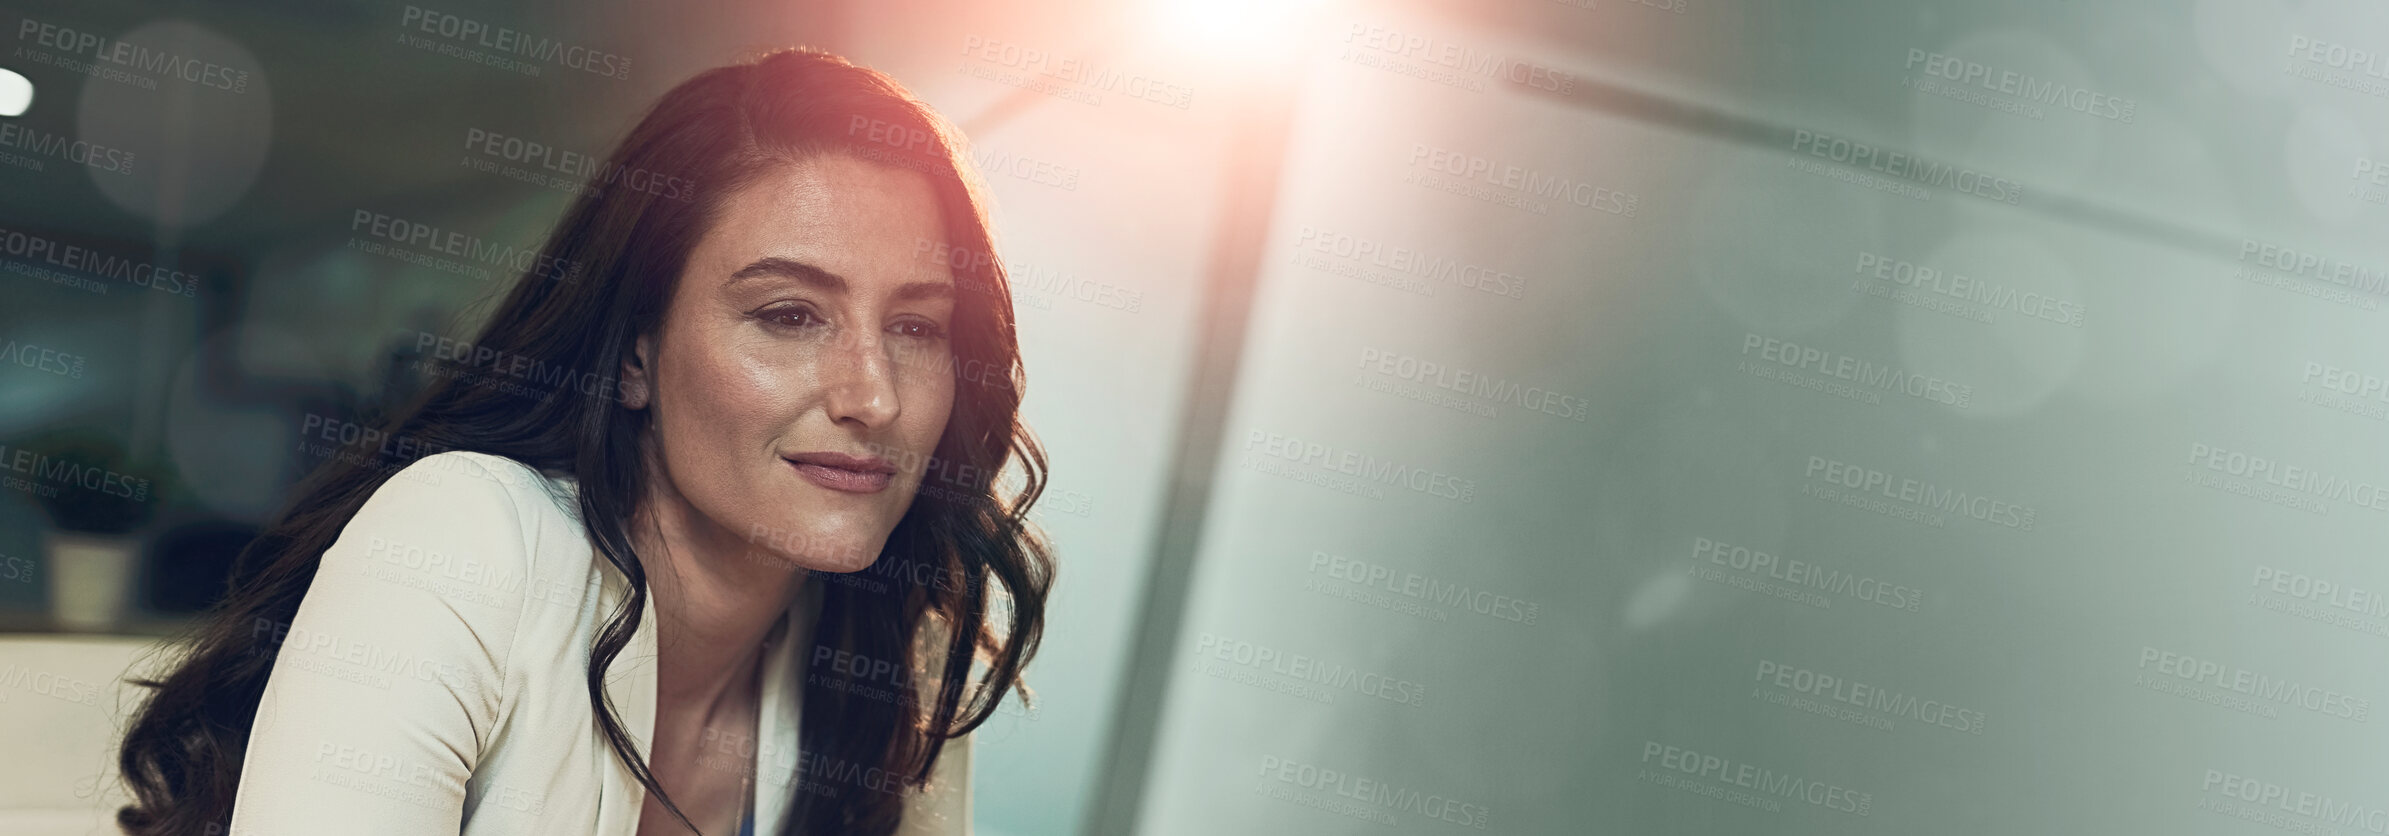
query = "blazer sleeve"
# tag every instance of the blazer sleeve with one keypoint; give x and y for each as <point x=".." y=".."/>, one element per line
<point x="392" y="677"/>
<point x="943" y="808"/>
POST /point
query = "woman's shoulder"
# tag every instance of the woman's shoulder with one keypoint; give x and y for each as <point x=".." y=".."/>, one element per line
<point x="511" y="475"/>
<point x="460" y="477"/>
<point x="492" y="523"/>
<point x="447" y="601"/>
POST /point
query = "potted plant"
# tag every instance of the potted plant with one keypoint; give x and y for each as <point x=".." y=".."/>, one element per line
<point x="97" y="498"/>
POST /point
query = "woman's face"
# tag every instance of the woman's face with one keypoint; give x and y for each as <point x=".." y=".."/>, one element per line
<point x="801" y="376"/>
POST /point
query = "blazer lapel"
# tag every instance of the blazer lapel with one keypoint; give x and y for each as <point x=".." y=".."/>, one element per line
<point x="777" y="757"/>
<point x="630" y="686"/>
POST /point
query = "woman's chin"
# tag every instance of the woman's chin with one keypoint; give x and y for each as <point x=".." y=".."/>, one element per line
<point x="827" y="553"/>
<point x="840" y="564"/>
<point x="820" y="542"/>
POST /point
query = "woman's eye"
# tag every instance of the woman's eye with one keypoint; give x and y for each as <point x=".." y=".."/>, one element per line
<point x="918" y="328"/>
<point x="797" y="317"/>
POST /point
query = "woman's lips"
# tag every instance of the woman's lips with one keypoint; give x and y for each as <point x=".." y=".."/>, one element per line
<point x="841" y="472"/>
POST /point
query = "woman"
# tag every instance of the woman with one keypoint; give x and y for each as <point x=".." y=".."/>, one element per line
<point x="609" y="599"/>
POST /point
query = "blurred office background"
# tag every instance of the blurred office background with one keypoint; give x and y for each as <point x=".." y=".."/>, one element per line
<point x="1536" y="416"/>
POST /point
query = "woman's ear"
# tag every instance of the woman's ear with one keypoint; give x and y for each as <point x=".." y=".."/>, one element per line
<point x="637" y="386"/>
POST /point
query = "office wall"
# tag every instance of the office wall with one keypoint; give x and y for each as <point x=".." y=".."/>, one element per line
<point x="2020" y="474"/>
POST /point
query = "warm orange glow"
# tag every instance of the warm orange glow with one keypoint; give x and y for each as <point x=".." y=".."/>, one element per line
<point x="1242" y="30"/>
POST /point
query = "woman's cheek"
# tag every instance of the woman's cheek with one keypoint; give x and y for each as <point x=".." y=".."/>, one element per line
<point x="934" y="393"/>
<point x="776" y="375"/>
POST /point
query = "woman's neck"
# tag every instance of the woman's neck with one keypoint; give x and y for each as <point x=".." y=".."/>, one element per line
<point x="715" y="601"/>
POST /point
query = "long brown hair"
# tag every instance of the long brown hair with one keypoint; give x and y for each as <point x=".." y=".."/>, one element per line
<point x="963" y="561"/>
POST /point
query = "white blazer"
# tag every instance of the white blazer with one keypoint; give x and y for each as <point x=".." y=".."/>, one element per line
<point x="434" y="680"/>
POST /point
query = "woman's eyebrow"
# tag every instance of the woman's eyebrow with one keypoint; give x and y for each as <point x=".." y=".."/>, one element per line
<point x="790" y="268"/>
<point x="913" y="291"/>
<point x="828" y="282"/>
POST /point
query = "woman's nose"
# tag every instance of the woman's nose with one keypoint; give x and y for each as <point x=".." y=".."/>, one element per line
<point x="862" y="384"/>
